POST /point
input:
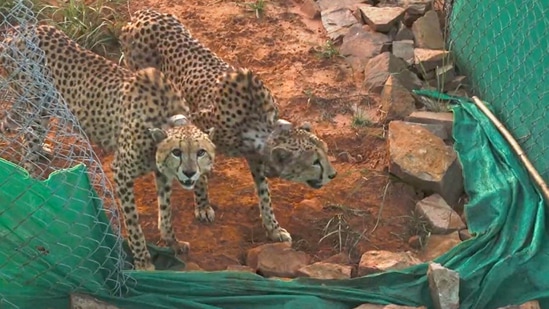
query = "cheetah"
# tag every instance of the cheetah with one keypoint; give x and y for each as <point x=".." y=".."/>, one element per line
<point x="237" y="104"/>
<point x="140" y="116"/>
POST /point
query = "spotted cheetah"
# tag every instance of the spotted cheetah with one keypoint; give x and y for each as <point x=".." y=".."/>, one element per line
<point x="236" y="103"/>
<point x="137" y="115"/>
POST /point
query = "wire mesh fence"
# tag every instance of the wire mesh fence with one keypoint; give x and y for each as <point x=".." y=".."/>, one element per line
<point x="502" y="48"/>
<point x="24" y="103"/>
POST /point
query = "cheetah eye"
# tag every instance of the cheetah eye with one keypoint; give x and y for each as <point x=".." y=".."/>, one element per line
<point x="201" y="153"/>
<point x="176" y="152"/>
<point x="317" y="162"/>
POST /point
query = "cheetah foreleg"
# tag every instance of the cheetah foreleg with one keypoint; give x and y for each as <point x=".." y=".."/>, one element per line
<point x="274" y="231"/>
<point x="203" y="211"/>
<point x="164" y="191"/>
<point x="136" y="238"/>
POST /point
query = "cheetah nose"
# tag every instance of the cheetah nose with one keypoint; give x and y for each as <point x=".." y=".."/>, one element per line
<point x="333" y="175"/>
<point x="189" y="173"/>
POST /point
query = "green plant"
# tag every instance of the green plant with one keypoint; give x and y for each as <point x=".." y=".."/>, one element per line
<point x="360" y="119"/>
<point x="95" y="26"/>
<point x="258" y="6"/>
<point x="338" y="229"/>
<point x="328" y="50"/>
<point x="439" y="82"/>
<point x="418" y="225"/>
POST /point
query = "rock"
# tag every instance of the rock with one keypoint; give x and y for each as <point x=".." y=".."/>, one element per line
<point x="349" y="4"/>
<point x="435" y="128"/>
<point x="464" y="217"/>
<point x="415" y="242"/>
<point x="404" y="50"/>
<point x="378" y="69"/>
<point x="374" y="306"/>
<point x="277" y="260"/>
<point x="415" y="9"/>
<point x="241" y="268"/>
<point x="445" y="119"/>
<point x="83" y="301"/>
<point x="340" y="258"/>
<point x="427" y="60"/>
<point x="346" y="157"/>
<point x="192" y="266"/>
<point x="441" y="217"/>
<point x="459" y="93"/>
<point x="381" y="19"/>
<point x="312" y="204"/>
<point x="427" y="31"/>
<point x="444" y="286"/>
<point x="422" y="159"/>
<point x="404" y="33"/>
<point x="444" y="74"/>
<point x="439" y="78"/>
<point x="337" y="22"/>
<point x="370" y="306"/>
<point x="396" y="101"/>
<point x="456" y="83"/>
<point x="358" y="12"/>
<point x="533" y="304"/>
<point x="322" y="270"/>
<point x="429" y="77"/>
<point x="359" y="45"/>
<point x="378" y="261"/>
<point x="306" y="211"/>
<point x="464" y="234"/>
<point x="437" y="245"/>
<point x="252" y="258"/>
<point x="223" y="260"/>
<point x="311" y="9"/>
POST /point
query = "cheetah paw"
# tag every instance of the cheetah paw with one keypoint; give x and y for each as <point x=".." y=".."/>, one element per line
<point x="143" y="265"/>
<point x="280" y="234"/>
<point x="205" y="214"/>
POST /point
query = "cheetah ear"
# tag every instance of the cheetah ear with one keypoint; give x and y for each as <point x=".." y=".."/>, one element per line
<point x="178" y="120"/>
<point x="158" y="135"/>
<point x="306" y="126"/>
<point x="283" y="125"/>
<point x="210" y="132"/>
<point x="280" y="156"/>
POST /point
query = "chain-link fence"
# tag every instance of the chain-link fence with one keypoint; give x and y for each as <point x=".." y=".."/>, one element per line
<point x="502" y="47"/>
<point x="49" y="238"/>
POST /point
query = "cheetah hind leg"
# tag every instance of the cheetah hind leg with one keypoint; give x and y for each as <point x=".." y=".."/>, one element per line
<point x="203" y="211"/>
<point x="38" y="150"/>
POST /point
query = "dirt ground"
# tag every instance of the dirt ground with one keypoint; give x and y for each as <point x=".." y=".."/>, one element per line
<point x="281" y="47"/>
<point x="361" y="209"/>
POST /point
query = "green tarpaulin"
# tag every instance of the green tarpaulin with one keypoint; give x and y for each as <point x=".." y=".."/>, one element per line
<point x="506" y="263"/>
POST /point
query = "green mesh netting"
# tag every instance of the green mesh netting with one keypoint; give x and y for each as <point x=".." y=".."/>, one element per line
<point x="502" y="47"/>
<point x="506" y="263"/>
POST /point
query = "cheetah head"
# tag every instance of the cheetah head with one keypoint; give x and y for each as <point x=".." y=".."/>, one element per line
<point x="183" y="151"/>
<point x="296" y="154"/>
